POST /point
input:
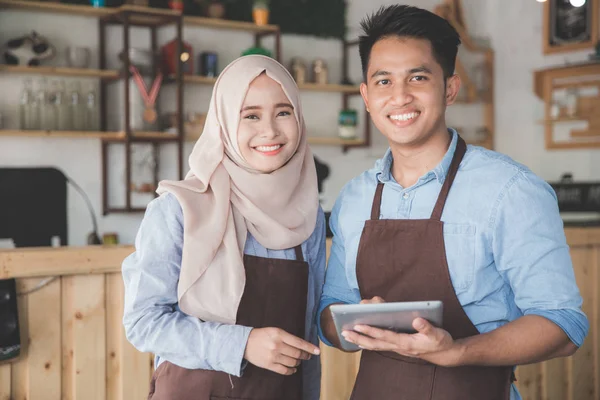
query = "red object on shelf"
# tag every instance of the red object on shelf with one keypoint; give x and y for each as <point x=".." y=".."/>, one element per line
<point x="176" y="5"/>
<point x="170" y="58"/>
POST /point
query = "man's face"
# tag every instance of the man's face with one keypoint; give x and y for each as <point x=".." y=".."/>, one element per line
<point x="405" y="91"/>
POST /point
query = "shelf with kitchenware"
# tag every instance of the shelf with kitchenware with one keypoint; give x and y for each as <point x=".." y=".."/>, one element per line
<point x="571" y="96"/>
<point x="132" y="136"/>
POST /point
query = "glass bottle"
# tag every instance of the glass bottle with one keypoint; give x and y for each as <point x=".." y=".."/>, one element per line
<point x="76" y="110"/>
<point x="45" y="108"/>
<point x="91" y="110"/>
<point x="61" y="106"/>
<point x="27" y="107"/>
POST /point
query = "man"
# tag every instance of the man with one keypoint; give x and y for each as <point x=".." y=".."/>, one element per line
<point x="437" y="220"/>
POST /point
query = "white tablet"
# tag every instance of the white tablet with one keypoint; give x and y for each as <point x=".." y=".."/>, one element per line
<point x="397" y="317"/>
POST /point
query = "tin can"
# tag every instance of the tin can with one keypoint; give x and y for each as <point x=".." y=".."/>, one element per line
<point x="208" y="64"/>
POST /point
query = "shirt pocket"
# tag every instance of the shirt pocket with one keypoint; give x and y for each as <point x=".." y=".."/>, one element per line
<point x="459" y="240"/>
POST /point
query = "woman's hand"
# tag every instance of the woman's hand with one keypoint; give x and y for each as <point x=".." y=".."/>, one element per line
<point x="276" y="350"/>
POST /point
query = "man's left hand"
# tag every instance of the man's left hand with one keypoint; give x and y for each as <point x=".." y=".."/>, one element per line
<point x="431" y="344"/>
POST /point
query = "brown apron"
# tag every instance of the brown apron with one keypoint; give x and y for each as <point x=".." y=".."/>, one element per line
<point x="274" y="296"/>
<point x="405" y="260"/>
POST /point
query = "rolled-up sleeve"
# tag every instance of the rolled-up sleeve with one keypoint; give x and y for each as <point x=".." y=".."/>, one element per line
<point x="532" y="255"/>
<point x="336" y="288"/>
<point x="153" y="322"/>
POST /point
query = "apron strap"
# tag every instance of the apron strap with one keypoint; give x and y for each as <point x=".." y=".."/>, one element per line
<point x="461" y="149"/>
<point x="299" y="255"/>
<point x="375" y="209"/>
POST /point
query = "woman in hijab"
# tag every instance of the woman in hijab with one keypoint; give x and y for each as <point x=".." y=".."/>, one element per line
<point x="229" y="262"/>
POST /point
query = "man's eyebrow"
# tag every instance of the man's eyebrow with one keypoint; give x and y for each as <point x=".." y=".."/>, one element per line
<point x="420" y="69"/>
<point x="380" y="72"/>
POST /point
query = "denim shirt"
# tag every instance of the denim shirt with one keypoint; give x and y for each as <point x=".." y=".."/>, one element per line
<point x="505" y="244"/>
<point x="154" y="323"/>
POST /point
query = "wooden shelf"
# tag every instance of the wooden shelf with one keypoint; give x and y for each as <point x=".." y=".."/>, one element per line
<point x="154" y="136"/>
<point x="143" y="16"/>
<point x="63" y="134"/>
<point x="118" y="136"/>
<point x="585" y="134"/>
<point x="229" y="25"/>
<point x="60" y="71"/>
<point x="563" y="72"/>
<point x="577" y="118"/>
<point x="313" y="87"/>
<point x="51" y="7"/>
<point x="198" y="79"/>
<point x="334" y="141"/>
<point x="204" y="80"/>
<point x="155" y="16"/>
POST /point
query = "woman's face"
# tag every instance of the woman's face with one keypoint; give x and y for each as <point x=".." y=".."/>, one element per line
<point x="268" y="131"/>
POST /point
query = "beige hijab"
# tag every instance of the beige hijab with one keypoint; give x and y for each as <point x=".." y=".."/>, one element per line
<point x="223" y="198"/>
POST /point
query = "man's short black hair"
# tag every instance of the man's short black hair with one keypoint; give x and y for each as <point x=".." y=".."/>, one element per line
<point x="410" y="22"/>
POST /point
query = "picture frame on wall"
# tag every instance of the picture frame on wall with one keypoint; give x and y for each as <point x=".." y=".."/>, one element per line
<point x="569" y="28"/>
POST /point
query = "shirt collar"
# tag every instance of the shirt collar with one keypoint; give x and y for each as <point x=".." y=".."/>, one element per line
<point x="384" y="165"/>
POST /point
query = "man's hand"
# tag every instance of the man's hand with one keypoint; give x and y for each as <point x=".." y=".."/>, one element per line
<point x="276" y="350"/>
<point x="528" y="339"/>
<point x="374" y="300"/>
<point x="429" y="343"/>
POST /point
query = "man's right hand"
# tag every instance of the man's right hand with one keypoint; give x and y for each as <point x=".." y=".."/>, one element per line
<point x="276" y="350"/>
<point x="374" y="300"/>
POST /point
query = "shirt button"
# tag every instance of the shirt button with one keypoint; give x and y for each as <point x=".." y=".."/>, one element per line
<point x="406" y="196"/>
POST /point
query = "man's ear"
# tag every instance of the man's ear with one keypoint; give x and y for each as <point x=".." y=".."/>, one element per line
<point x="452" y="88"/>
<point x="363" y="93"/>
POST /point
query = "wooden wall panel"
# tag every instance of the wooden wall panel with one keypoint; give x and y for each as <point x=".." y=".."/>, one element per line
<point x="44" y="355"/>
<point x="5" y="383"/>
<point x="89" y="337"/>
<point x="114" y="334"/>
<point x="581" y="385"/>
<point x="68" y="352"/>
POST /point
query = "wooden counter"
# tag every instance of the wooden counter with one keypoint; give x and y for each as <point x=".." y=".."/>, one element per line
<point x="75" y="347"/>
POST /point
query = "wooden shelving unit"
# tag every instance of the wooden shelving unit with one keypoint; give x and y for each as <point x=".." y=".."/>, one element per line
<point x="548" y="81"/>
<point x="59" y="71"/>
<point x="129" y="16"/>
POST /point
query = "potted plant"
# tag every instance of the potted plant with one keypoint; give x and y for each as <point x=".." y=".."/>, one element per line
<point x="260" y="12"/>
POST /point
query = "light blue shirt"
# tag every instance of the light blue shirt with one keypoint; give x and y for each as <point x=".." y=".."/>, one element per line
<point x="504" y="238"/>
<point x="154" y="323"/>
